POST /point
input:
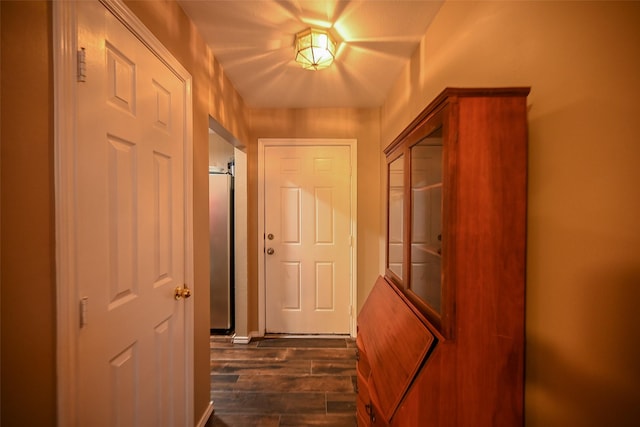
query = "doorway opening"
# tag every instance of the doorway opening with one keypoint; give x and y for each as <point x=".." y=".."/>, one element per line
<point x="227" y="208"/>
<point x="221" y="236"/>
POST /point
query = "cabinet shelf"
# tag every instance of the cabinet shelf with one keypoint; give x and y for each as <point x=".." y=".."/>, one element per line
<point x="427" y="187"/>
<point x="436" y="252"/>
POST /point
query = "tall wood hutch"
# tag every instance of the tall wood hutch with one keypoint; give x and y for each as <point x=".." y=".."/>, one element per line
<point x="441" y="335"/>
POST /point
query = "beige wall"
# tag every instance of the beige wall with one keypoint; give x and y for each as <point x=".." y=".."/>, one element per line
<point x="582" y="61"/>
<point x="361" y="124"/>
<point x="27" y="228"/>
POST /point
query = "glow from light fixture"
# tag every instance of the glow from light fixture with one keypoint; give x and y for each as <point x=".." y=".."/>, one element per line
<point x="315" y="49"/>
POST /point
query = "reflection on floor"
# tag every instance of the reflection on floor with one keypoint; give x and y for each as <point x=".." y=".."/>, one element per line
<point x="284" y="382"/>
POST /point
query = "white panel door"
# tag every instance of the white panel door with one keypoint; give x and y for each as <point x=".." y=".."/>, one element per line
<point x="307" y="239"/>
<point x="130" y="230"/>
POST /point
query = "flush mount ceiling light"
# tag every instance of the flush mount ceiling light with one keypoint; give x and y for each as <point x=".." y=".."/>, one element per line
<point x="315" y="49"/>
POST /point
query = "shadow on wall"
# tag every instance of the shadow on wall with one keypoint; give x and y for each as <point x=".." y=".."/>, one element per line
<point x="601" y="388"/>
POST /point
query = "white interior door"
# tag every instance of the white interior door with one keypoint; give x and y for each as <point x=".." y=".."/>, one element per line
<point x="308" y="235"/>
<point x="130" y="230"/>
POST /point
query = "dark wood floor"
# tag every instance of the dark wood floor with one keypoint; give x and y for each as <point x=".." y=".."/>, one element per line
<point x="283" y="382"/>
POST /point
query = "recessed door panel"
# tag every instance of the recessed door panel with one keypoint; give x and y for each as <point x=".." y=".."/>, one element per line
<point x="325" y="286"/>
<point x="121" y="218"/>
<point x="291" y="286"/>
<point x="161" y="218"/>
<point x="290" y="200"/>
<point x="124" y="370"/>
<point x="324" y="210"/>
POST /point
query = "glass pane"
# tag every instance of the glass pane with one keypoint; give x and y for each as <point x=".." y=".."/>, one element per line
<point x="426" y="219"/>
<point x="396" y="209"/>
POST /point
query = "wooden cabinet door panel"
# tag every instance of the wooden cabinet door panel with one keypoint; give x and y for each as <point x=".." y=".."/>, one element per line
<point x="396" y="344"/>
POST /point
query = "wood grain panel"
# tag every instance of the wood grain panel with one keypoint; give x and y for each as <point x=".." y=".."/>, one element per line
<point x="396" y="343"/>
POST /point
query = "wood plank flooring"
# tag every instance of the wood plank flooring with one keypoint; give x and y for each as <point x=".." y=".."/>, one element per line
<point x="278" y="382"/>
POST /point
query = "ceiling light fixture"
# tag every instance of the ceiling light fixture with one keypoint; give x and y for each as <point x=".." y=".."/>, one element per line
<point x="315" y="49"/>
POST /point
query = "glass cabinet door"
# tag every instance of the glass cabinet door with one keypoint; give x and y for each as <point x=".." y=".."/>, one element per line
<point x="426" y="220"/>
<point x="395" y="238"/>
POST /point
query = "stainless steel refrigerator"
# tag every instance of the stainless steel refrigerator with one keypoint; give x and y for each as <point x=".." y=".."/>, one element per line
<point x="221" y="252"/>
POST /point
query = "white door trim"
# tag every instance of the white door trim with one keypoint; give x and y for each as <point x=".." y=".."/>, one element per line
<point x="266" y="142"/>
<point x="65" y="113"/>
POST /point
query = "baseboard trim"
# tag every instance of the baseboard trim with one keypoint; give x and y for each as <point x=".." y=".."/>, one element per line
<point x="206" y="415"/>
<point x="241" y="340"/>
<point x="323" y="336"/>
<point x="245" y="340"/>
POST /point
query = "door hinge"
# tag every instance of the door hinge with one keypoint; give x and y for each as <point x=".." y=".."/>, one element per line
<point x="82" y="65"/>
<point x="84" y="302"/>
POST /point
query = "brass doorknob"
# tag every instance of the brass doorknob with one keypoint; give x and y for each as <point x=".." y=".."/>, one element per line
<point x="181" y="292"/>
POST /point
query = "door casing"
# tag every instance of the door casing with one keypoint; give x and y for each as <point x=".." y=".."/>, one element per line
<point x="264" y="142"/>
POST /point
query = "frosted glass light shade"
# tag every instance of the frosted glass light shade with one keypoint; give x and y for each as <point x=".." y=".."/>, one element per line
<point x="315" y="49"/>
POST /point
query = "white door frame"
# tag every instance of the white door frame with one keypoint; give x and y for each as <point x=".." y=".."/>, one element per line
<point x="270" y="142"/>
<point x="65" y="114"/>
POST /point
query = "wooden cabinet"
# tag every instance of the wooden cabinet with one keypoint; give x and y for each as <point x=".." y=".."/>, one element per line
<point x="441" y="336"/>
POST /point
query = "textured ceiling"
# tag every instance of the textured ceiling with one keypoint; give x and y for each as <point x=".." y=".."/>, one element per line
<point x="253" y="42"/>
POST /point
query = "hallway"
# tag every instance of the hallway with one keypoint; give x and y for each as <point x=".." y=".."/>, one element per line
<point x="283" y="382"/>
